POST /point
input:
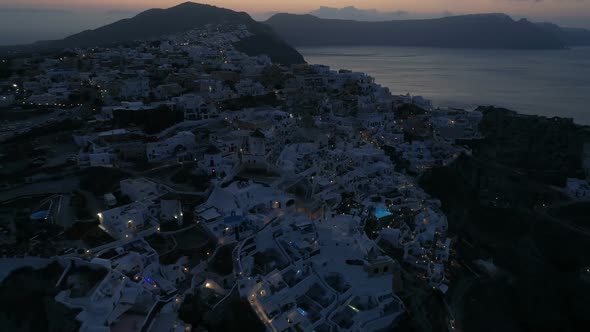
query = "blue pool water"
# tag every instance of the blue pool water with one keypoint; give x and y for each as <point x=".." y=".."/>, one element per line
<point x="381" y="211"/>
<point x="39" y="215"/>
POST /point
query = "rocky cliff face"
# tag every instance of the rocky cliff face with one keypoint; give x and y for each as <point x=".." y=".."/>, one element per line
<point x="469" y="31"/>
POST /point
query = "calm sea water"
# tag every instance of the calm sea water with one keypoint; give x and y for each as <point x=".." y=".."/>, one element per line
<point x="550" y="83"/>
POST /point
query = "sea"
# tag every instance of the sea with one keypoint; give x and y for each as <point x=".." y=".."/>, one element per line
<point x="542" y="82"/>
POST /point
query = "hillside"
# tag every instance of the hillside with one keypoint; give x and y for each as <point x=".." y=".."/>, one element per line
<point x="502" y="201"/>
<point x="468" y="31"/>
<point x="159" y="22"/>
<point x="569" y="36"/>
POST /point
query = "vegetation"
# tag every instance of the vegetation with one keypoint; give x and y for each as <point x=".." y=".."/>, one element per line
<point x="80" y="280"/>
<point x="161" y="244"/>
<point x="495" y="201"/>
<point x="26" y="228"/>
<point x="549" y="150"/>
<point x="401" y="164"/>
<point x="406" y="110"/>
<point x="199" y="181"/>
<point x="109" y="179"/>
<point x="577" y="213"/>
<point x="192" y="243"/>
<point x="5" y="69"/>
<point x="273" y="77"/>
<point x="235" y="314"/>
<point x="51" y="128"/>
<point x="28" y="302"/>
<point x="192" y="310"/>
<point x="89" y="233"/>
<point x="153" y="121"/>
<point x="80" y="204"/>
<point x="279" y="51"/>
<point x="181" y="18"/>
<point x="249" y="102"/>
<point x="222" y="263"/>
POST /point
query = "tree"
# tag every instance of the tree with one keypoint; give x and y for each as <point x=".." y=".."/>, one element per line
<point x="307" y="121"/>
<point x="5" y="68"/>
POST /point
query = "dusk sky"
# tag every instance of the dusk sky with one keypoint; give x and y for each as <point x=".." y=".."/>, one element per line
<point x="545" y="8"/>
<point x="56" y="18"/>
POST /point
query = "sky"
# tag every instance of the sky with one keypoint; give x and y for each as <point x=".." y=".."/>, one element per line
<point x="50" y="19"/>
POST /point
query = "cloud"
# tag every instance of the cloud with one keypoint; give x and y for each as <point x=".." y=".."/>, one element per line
<point x="353" y="13"/>
<point x="51" y="23"/>
<point x="539" y="1"/>
<point x="58" y="11"/>
<point x="25" y="10"/>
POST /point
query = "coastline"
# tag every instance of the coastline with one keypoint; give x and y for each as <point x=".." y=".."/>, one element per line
<point x="470" y="78"/>
<point x="468" y="205"/>
<point x="518" y="233"/>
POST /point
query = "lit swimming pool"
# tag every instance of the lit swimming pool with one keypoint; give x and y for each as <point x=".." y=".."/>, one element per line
<point x="381" y="211"/>
<point x="40" y="215"/>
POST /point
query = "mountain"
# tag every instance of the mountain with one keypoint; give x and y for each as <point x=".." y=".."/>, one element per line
<point x="160" y="22"/>
<point x="569" y="36"/>
<point x="467" y="31"/>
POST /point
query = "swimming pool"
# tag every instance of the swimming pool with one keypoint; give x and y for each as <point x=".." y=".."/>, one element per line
<point x="39" y="215"/>
<point x="381" y="211"/>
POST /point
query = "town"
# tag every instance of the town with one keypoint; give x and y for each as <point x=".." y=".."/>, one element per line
<point x="158" y="182"/>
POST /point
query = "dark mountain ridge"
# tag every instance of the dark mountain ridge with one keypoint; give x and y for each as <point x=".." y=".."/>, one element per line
<point x="569" y="36"/>
<point x="154" y="23"/>
<point x="467" y="31"/>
